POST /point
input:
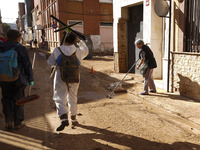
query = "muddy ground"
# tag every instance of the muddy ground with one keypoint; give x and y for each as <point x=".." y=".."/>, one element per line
<point x="128" y="121"/>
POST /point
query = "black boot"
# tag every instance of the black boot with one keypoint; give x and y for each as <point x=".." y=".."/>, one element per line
<point x="63" y="123"/>
<point x="62" y="126"/>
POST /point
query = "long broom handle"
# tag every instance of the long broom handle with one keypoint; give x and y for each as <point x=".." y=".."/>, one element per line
<point x="123" y="78"/>
<point x="53" y="71"/>
<point x="33" y="65"/>
<point x="55" y="67"/>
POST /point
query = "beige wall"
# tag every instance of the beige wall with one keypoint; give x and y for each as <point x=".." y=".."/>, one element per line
<point x="177" y="26"/>
<point x="156" y="40"/>
<point x="106" y="34"/>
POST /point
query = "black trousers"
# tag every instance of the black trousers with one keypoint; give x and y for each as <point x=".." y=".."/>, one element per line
<point x="12" y="92"/>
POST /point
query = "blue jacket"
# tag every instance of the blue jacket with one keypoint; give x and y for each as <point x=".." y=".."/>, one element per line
<point x="26" y="73"/>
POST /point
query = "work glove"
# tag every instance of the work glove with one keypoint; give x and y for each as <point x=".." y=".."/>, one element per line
<point x="31" y="83"/>
<point x="77" y="40"/>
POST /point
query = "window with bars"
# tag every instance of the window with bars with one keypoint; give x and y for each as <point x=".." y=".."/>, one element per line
<point x="192" y="26"/>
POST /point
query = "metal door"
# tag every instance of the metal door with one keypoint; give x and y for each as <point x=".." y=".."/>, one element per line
<point x="135" y="31"/>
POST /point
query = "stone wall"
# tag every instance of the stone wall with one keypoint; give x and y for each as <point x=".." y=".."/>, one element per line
<point x="185" y="74"/>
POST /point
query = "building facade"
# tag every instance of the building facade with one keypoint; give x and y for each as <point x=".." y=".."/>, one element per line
<point x="27" y="18"/>
<point x="20" y="19"/>
<point x="96" y="19"/>
<point x="37" y="27"/>
<point x="134" y="19"/>
<point x="1" y="29"/>
<point x="174" y="40"/>
<point x="185" y="48"/>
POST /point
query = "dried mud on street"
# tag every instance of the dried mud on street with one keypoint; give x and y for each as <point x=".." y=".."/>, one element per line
<point x="128" y="121"/>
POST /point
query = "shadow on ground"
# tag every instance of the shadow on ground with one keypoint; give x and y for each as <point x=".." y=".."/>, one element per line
<point x="97" y="139"/>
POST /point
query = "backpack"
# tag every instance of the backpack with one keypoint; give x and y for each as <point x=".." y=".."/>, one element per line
<point x="9" y="70"/>
<point x="69" y="67"/>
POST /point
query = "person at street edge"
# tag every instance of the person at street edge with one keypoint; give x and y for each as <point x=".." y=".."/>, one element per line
<point x="2" y="38"/>
<point x="13" y="90"/>
<point x="148" y="63"/>
<point x="66" y="93"/>
<point x="35" y="44"/>
<point x="31" y="43"/>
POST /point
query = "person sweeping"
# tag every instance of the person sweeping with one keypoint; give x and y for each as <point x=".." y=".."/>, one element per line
<point x="15" y="73"/>
<point x="148" y="63"/>
<point x="67" y="59"/>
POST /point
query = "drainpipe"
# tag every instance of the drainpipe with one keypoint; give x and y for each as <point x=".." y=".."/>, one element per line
<point x="169" y="45"/>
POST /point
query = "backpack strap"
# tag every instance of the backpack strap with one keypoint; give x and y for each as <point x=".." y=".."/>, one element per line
<point x="60" y="51"/>
<point x="63" y="53"/>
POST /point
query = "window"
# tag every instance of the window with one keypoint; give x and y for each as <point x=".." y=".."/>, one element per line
<point x="106" y="1"/>
<point x="75" y="21"/>
<point x="107" y="24"/>
<point x="76" y="0"/>
<point x="192" y="26"/>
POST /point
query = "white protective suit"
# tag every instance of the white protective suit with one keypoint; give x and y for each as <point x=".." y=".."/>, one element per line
<point x="62" y="96"/>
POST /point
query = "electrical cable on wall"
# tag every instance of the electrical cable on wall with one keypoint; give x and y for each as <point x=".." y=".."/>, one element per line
<point x="86" y="14"/>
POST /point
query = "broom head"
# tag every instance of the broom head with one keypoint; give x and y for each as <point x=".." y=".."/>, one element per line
<point x="27" y="99"/>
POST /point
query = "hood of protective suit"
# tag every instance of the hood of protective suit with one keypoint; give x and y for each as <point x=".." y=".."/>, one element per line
<point x="68" y="50"/>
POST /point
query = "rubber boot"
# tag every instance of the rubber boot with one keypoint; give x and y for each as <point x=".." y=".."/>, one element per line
<point x="64" y="122"/>
<point x="74" y="120"/>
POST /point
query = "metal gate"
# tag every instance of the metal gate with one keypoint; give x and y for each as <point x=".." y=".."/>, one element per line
<point x="192" y="35"/>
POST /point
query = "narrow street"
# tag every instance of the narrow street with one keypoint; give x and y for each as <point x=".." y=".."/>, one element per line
<point x="128" y="121"/>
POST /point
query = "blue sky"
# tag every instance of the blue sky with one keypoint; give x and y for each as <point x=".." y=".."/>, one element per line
<point x="9" y="10"/>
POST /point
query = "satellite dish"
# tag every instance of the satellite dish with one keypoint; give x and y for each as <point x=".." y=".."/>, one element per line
<point x="161" y="8"/>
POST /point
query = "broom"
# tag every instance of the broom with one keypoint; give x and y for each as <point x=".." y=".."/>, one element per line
<point x="30" y="97"/>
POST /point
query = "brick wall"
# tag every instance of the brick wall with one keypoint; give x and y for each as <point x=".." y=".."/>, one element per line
<point x="106" y="12"/>
<point x="91" y="21"/>
<point x="90" y="12"/>
<point x="70" y="11"/>
<point x="122" y="45"/>
<point x="185" y="74"/>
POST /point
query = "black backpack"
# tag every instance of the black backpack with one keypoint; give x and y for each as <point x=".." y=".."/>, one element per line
<point x="69" y="68"/>
<point x="149" y="57"/>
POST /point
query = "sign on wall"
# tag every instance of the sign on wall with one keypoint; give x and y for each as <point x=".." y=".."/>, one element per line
<point x="147" y="2"/>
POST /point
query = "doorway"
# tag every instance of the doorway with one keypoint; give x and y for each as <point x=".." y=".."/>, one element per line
<point x="135" y="31"/>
